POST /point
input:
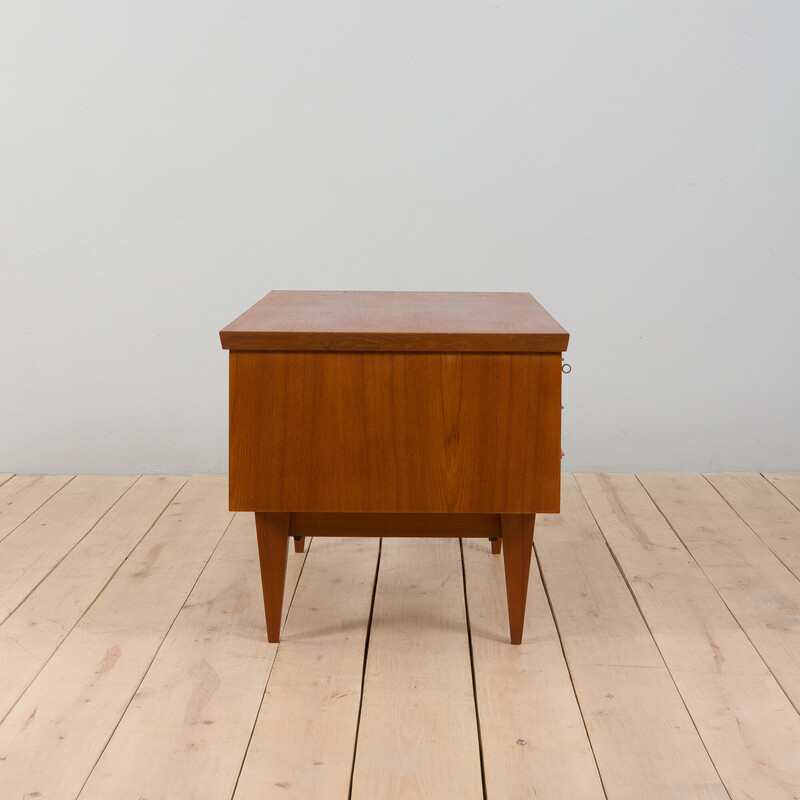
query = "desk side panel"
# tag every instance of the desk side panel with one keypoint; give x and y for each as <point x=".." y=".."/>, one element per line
<point x="395" y="432"/>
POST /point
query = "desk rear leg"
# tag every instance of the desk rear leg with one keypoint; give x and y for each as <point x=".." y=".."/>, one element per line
<point x="272" y="530"/>
<point x="517" y="549"/>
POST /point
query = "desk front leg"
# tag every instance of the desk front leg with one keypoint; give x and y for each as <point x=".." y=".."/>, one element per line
<point x="272" y="530"/>
<point x="517" y="548"/>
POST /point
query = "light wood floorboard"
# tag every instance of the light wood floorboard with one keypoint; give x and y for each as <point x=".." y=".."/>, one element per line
<point x="727" y="687"/>
<point x="788" y="484"/>
<point x="34" y="547"/>
<point x="766" y="511"/>
<point x="21" y="495"/>
<point x="33" y="633"/>
<point x="305" y="734"/>
<point x="757" y="587"/>
<point x="418" y="735"/>
<point x="533" y="737"/>
<point x="628" y="699"/>
<point x="52" y="738"/>
<point x="186" y="731"/>
<point x="660" y="655"/>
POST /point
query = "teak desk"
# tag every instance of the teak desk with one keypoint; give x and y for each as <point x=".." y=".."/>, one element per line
<point x="395" y="414"/>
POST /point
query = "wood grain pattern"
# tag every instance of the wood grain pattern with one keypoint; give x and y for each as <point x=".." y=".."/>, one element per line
<point x="272" y="531"/>
<point x="30" y="636"/>
<point x="185" y="733"/>
<point x="29" y="553"/>
<point x="304" y="742"/>
<point x="52" y="738"/>
<point x="5" y="476"/>
<point x="768" y="513"/>
<point x="532" y="736"/>
<point x="518" y="539"/>
<point x="24" y="494"/>
<point x="788" y="484"/>
<point x="418" y="735"/>
<point x="643" y="738"/>
<point x="302" y="745"/>
<point x="741" y="713"/>
<point x="396" y="321"/>
<point x="760" y="591"/>
<point x="416" y="433"/>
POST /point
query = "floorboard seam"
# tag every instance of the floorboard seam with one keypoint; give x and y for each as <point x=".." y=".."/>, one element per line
<point x="364" y="667"/>
<point x="780" y="490"/>
<point x="569" y="671"/>
<point x="719" y="594"/>
<point x="472" y="670"/>
<point x="22" y="522"/>
<point x="653" y="638"/>
<point x="272" y="667"/>
<point x="155" y="655"/>
<point x="105" y="585"/>
<point x="55" y="566"/>
<point x="750" y="527"/>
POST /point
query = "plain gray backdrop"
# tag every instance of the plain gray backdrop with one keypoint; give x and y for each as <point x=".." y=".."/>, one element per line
<point x="633" y="165"/>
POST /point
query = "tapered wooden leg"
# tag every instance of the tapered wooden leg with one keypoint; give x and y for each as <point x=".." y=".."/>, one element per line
<point x="517" y="549"/>
<point x="497" y="544"/>
<point x="299" y="543"/>
<point x="272" y="531"/>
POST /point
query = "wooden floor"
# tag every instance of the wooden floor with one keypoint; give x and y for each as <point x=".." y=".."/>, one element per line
<point x="661" y="656"/>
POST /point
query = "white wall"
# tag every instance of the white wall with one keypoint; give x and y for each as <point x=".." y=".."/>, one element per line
<point x="636" y="166"/>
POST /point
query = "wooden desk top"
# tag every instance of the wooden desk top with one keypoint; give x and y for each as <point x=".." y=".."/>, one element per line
<point x="396" y="321"/>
